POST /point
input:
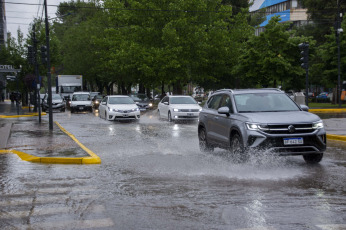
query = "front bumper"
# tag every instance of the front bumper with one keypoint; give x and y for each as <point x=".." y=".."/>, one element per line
<point x="81" y="107"/>
<point x="313" y="143"/>
<point x="121" y="116"/>
<point x="185" y="115"/>
<point x="55" y="107"/>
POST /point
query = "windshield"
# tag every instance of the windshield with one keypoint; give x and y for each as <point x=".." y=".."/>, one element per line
<point x="70" y="89"/>
<point x="120" y="100"/>
<point x="55" y="97"/>
<point x="140" y="97"/>
<point x="81" y="97"/>
<point x="264" y="102"/>
<point x="182" y="100"/>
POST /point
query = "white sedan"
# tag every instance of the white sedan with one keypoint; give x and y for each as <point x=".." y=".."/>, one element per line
<point x="117" y="107"/>
<point x="179" y="108"/>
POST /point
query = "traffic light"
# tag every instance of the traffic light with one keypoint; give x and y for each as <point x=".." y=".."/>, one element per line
<point x="304" y="47"/>
<point x="31" y="55"/>
<point x="44" y="54"/>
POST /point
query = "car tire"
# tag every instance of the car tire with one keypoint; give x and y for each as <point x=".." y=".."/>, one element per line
<point x="170" y="116"/>
<point x="203" y="142"/>
<point x="313" y="158"/>
<point x="72" y="110"/>
<point x="237" y="148"/>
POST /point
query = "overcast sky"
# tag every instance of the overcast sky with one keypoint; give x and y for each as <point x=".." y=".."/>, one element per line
<point x="21" y="15"/>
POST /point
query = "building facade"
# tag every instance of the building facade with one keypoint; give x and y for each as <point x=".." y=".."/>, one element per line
<point x="288" y="10"/>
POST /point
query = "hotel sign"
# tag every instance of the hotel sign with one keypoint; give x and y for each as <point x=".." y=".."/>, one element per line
<point x="8" y="68"/>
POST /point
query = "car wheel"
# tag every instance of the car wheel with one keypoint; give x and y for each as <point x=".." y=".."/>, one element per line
<point x="203" y="142"/>
<point x="169" y="116"/>
<point x="72" y="110"/>
<point x="237" y="148"/>
<point x="313" y="158"/>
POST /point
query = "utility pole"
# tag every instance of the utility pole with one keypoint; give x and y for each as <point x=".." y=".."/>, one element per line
<point x="37" y="88"/>
<point x="48" y="69"/>
<point x="339" y="30"/>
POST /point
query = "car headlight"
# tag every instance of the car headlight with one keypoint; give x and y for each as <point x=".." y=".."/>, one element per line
<point x="318" y="125"/>
<point x="136" y="109"/>
<point x="176" y="110"/>
<point x="252" y="126"/>
<point x="115" y="110"/>
<point x="150" y="105"/>
<point x="256" y="126"/>
<point x="200" y="110"/>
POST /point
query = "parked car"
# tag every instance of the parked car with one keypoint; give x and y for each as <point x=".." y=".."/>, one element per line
<point x="260" y="119"/>
<point x="96" y="100"/>
<point x="58" y="103"/>
<point x="142" y="100"/>
<point x="323" y="95"/>
<point x="176" y="108"/>
<point x="80" y="101"/>
<point x="118" y="107"/>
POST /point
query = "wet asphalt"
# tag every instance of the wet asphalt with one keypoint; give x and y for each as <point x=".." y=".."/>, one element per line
<point x="153" y="176"/>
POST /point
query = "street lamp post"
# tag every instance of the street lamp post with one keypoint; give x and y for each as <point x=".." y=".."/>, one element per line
<point x="339" y="30"/>
<point x="48" y="69"/>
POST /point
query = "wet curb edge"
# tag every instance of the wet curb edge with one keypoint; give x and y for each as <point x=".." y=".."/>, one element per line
<point x="93" y="159"/>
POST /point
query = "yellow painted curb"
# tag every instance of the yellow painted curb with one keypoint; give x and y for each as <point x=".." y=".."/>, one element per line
<point x="23" y="115"/>
<point x="93" y="159"/>
<point x="327" y="110"/>
<point x="336" y="137"/>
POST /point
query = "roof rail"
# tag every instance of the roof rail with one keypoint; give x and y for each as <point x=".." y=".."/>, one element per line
<point x="219" y="90"/>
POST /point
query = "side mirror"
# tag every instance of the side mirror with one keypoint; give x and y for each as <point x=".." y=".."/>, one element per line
<point x="304" y="108"/>
<point x="199" y="102"/>
<point x="223" y="110"/>
<point x="166" y="103"/>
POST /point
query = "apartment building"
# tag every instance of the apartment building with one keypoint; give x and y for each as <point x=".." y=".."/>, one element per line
<point x="288" y="10"/>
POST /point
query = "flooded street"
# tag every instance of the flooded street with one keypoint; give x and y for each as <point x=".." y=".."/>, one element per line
<point x="153" y="176"/>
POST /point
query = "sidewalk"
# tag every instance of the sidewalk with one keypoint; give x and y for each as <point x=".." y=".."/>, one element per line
<point x="33" y="141"/>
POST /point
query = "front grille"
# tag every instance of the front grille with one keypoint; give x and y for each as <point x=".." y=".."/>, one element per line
<point x="310" y="142"/>
<point x="188" y="117"/>
<point x="287" y="129"/>
<point x="189" y="110"/>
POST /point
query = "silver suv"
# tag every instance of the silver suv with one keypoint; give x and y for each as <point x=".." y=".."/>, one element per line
<point x="260" y="119"/>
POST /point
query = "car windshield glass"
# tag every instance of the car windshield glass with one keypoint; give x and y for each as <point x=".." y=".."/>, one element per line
<point x="70" y="89"/>
<point x="81" y="97"/>
<point x="140" y="97"/>
<point x="120" y="100"/>
<point x="264" y="102"/>
<point x="98" y="97"/>
<point x="182" y="100"/>
<point x="56" y="97"/>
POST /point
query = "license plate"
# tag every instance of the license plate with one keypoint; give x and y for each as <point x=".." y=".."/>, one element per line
<point x="80" y="108"/>
<point x="293" y="141"/>
<point x="190" y="114"/>
<point x="125" y="115"/>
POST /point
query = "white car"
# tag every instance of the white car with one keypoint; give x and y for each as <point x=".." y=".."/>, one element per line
<point x="117" y="107"/>
<point x="80" y="101"/>
<point x="179" y="108"/>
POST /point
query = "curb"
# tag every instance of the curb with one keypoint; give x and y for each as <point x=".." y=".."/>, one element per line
<point x="327" y="110"/>
<point x="336" y="137"/>
<point x="92" y="159"/>
<point x="24" y="115"/>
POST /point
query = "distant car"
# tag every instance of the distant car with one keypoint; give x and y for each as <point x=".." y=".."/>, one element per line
<point x="176" y="108"/>
<point x="96" y="100"/>
<point x="58" y="103"/>
<point x="119" y="107"/>
<point x="80" y="101"/>
<point x="251" y="120"/>
<point x="93" y="94"/>
<point x="142" y="100"/>
<point x="323" y="95"/>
